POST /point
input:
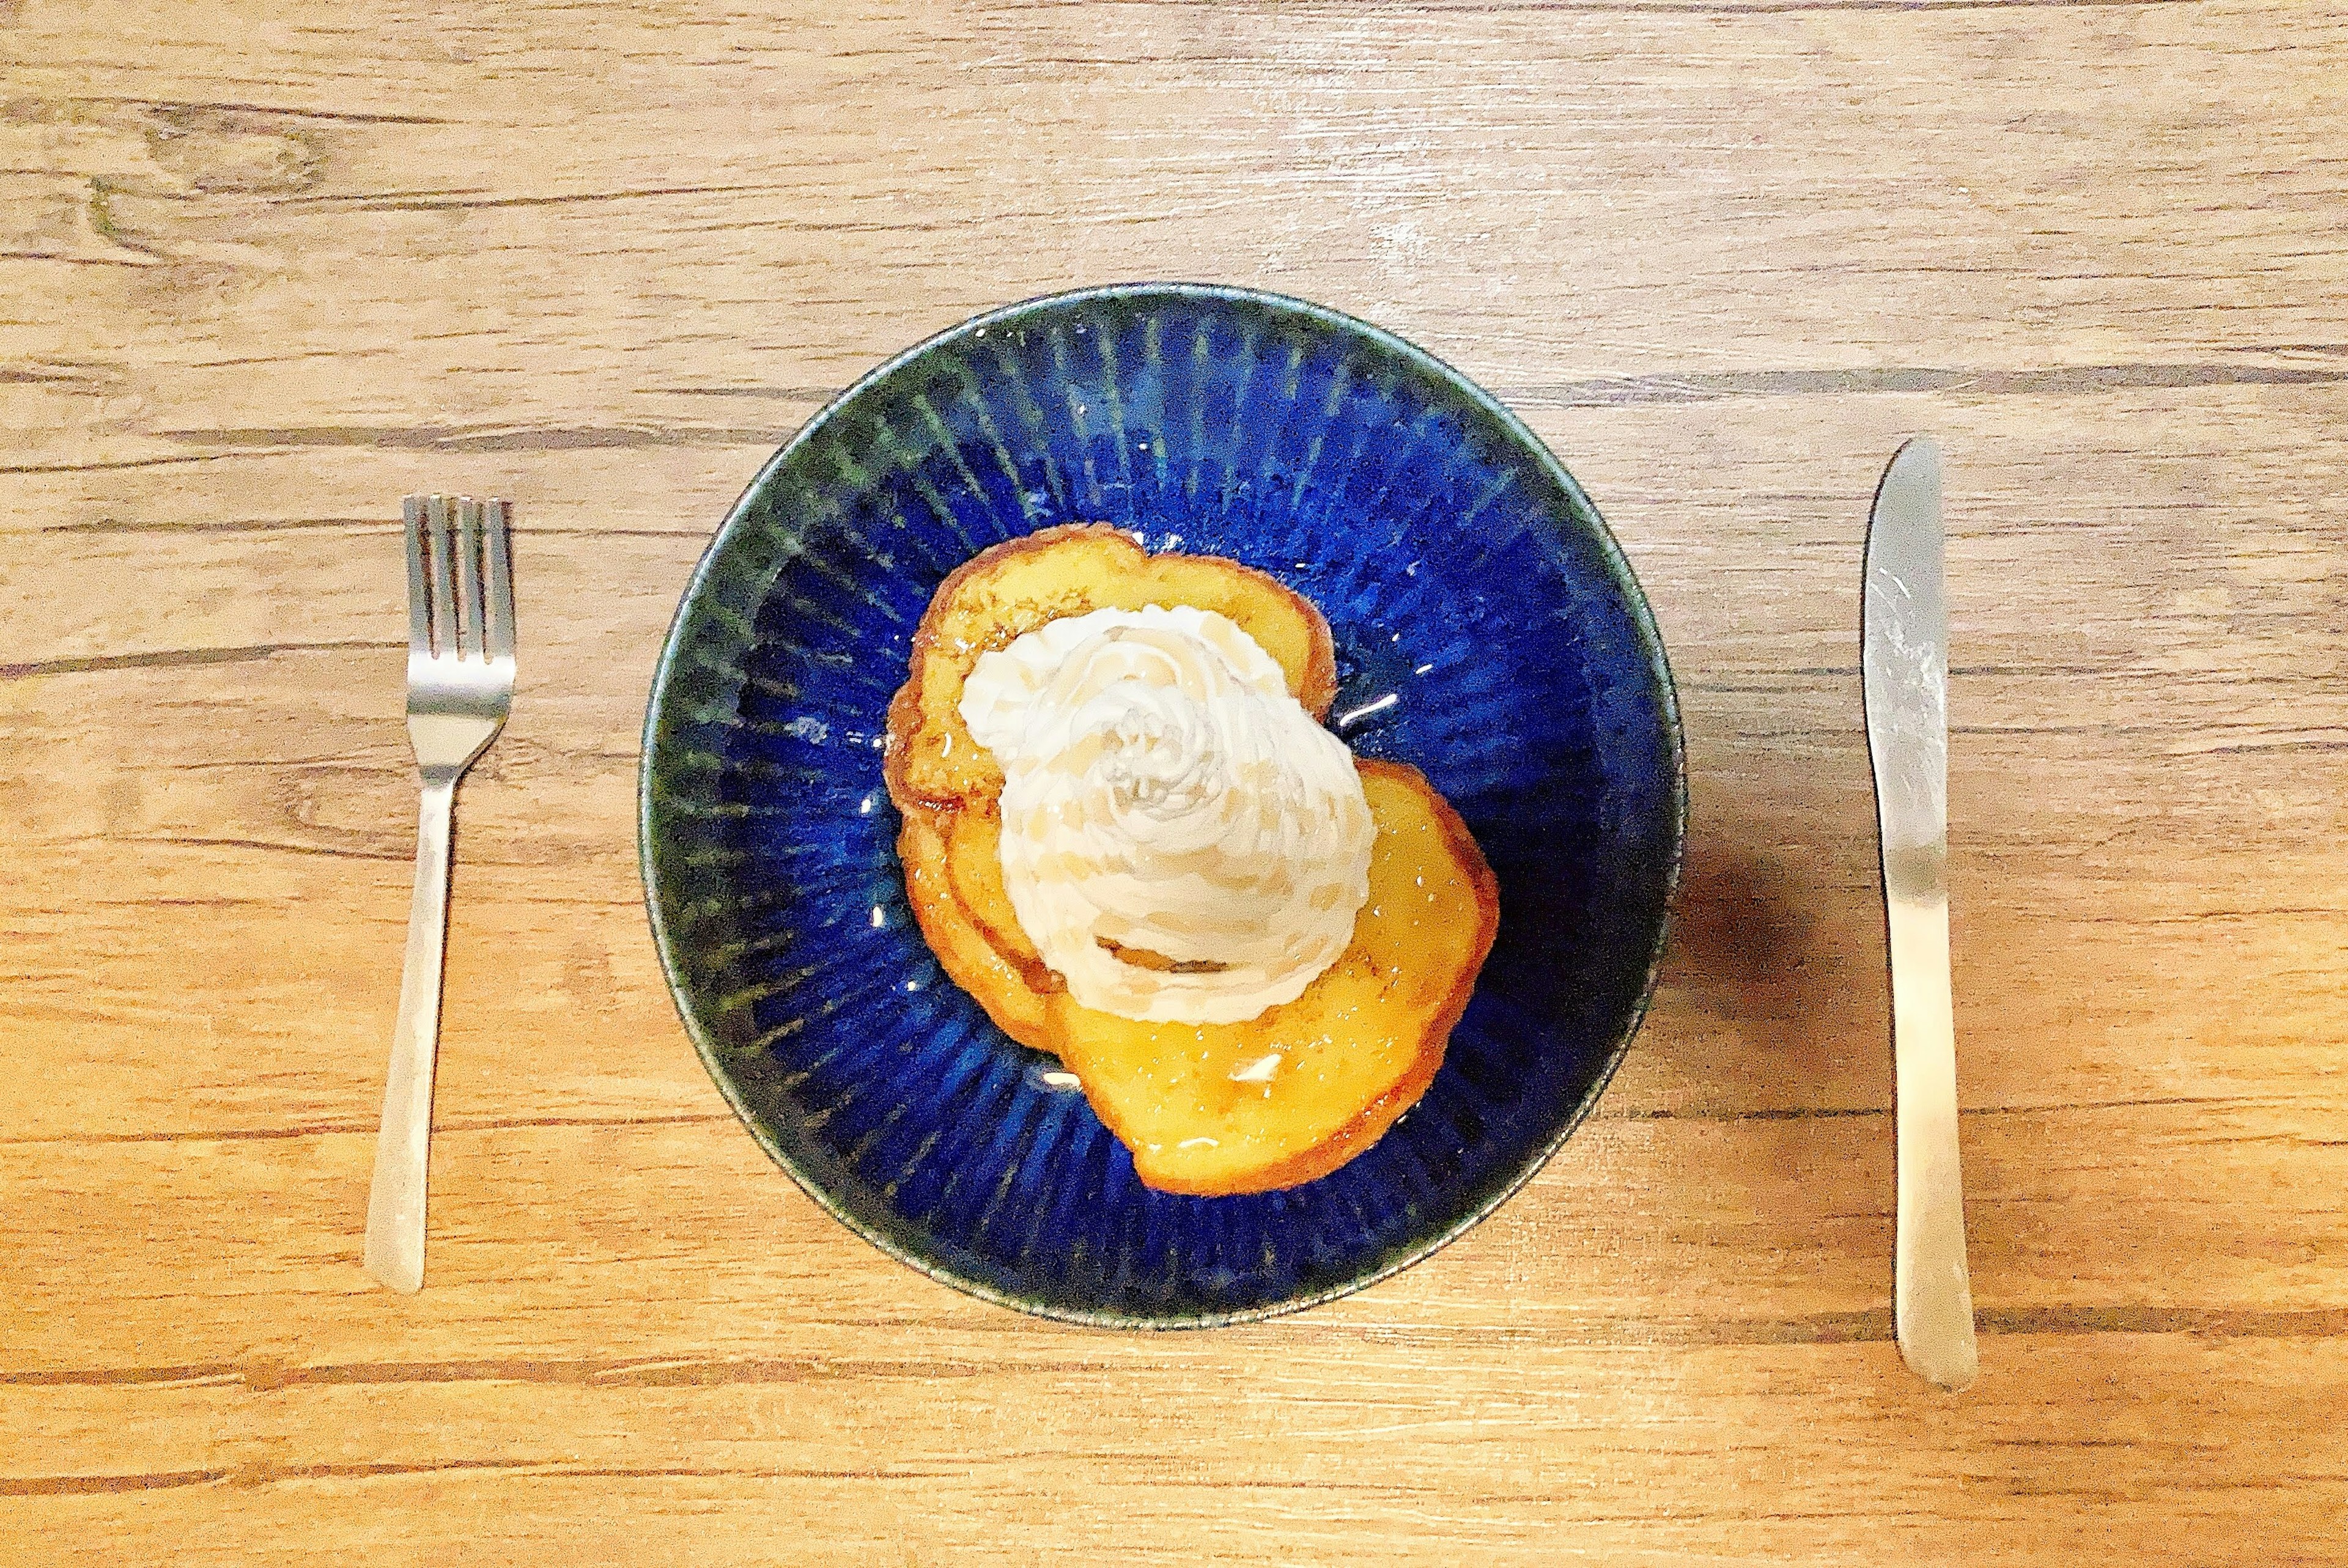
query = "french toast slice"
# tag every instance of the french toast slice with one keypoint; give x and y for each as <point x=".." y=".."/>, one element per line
<point x="1282" y="1099"/>
<point x="1012" y="588"/>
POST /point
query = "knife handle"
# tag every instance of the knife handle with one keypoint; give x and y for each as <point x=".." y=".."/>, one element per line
<point x="1932" y="1298"/>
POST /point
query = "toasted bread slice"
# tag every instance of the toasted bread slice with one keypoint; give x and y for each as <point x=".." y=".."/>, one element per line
<point x="1291" y="1095"/>
<point x="1011" y="589"/>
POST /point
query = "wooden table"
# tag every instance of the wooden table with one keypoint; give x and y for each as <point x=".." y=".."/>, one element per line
<point x="264" y="268"/>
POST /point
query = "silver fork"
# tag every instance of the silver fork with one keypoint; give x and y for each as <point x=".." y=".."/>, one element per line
<point x="460" y="679"/>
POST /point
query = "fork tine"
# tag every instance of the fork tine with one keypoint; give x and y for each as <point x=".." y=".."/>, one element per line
<point x="420" y="596"/>
<point x="444" y="585"/>
<point x="469" y="577"/>
<point x="498" y="600"/>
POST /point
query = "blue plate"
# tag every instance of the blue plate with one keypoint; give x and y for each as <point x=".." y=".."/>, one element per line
<point x="1487" y="630"/>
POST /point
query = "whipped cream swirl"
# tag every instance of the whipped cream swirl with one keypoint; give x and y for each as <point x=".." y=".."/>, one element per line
<point x="1180" y="840"/>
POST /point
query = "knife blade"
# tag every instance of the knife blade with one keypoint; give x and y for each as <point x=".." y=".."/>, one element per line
<point x="1904" y="666"/>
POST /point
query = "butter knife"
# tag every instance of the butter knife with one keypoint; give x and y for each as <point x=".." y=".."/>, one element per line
<point x="1904" y="663"/>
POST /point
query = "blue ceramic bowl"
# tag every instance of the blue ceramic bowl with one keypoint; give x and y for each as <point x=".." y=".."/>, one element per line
<point x="1488" y="631"/>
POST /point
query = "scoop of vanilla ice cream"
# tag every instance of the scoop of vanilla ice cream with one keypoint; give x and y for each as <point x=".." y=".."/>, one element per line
<point x="1180" y="840"/>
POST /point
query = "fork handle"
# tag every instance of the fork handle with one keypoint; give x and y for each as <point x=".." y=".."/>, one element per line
<point x="395" y="1232"/>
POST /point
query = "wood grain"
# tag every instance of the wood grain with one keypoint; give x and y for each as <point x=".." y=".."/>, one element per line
<point x="264" y="269"/>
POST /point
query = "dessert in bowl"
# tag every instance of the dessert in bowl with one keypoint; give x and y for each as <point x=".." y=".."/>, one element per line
<point x="1160" y="804"/>
<point x="1129" y="837"/>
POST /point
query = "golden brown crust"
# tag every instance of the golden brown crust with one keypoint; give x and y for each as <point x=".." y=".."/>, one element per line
<point x="974" y="873"/>
<point x="969" y="959"/>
